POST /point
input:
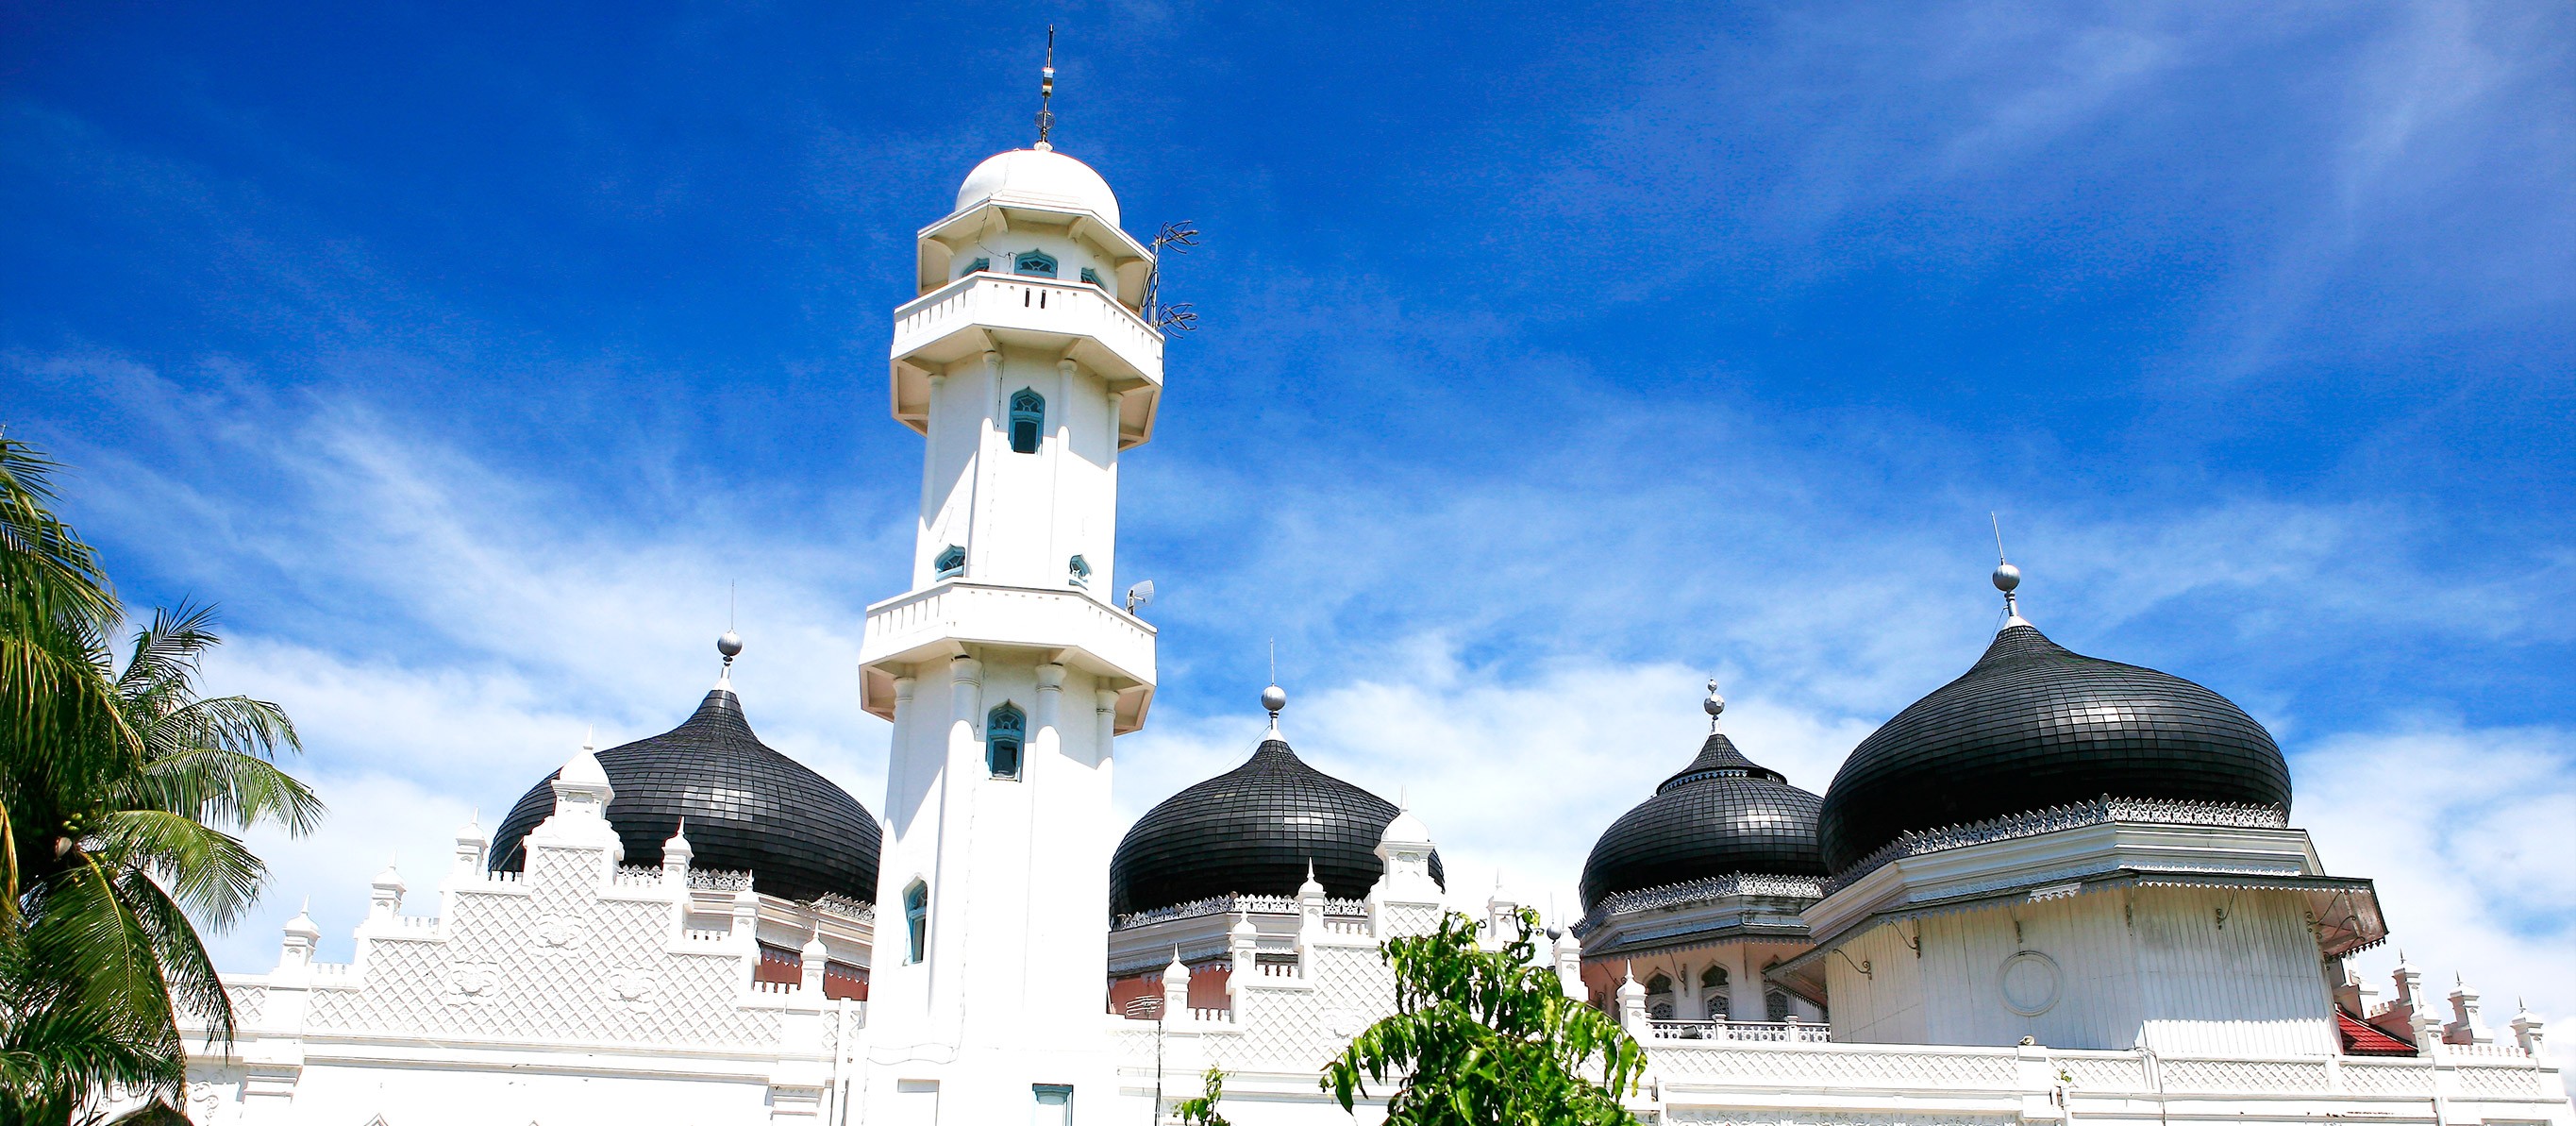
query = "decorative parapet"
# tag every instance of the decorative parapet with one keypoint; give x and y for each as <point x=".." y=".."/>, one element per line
<point x="834" y="903"/>
<point x="718" y="879"/>
<point x="1701" y="890"/>
<point x="2100" y="811"/>
<point x="1229" y="904"/>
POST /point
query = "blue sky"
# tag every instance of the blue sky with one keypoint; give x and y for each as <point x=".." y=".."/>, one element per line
<point x="1551" y="361"/>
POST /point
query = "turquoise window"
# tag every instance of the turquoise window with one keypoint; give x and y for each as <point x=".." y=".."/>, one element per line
<point x="977" y="266"/>
<point x="1036" y="264"/>
<point x="916" y="921"/>
<point x="1055" y="1104"/>
<point x="1028" y="421"/>
<point x="951" y="561"/>
<point x="1004" y="730"/>
<point x="1091" y="276"/>
<point x="1078" y="571"/>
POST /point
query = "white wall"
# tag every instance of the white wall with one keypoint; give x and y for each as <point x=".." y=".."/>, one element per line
<point x="2151" y="964"/>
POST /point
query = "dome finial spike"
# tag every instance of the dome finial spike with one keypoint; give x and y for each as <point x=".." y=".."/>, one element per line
<point x="728" y="646"/>
<point x="1714" y="705"/>
<point x="2007" y="577"/>
<point x="1274" y="698"/>
<point x="1046" y="94"/>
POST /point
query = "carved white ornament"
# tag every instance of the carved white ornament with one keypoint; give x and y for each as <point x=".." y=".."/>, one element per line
<point x="471" y="982"/>
<point x="2030" y="983"/>
<point x="557" y="932"/>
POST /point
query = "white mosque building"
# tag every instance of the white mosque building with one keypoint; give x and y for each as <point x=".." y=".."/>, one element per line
<point x="2057" y="888"/>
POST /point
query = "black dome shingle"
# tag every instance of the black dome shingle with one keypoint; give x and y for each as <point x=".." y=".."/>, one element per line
<point x="749" y="808"/>
<point x="2033" y="725"/>
<point x="1723" y="814"/>
<point x="1251" y="831"/>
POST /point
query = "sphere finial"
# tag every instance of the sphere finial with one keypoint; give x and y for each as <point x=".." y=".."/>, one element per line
<point x="2007" y="577"/>
<point x="730" y="645"/>
<point x="1274" y="698"/>
<point x="1715" y="705"/>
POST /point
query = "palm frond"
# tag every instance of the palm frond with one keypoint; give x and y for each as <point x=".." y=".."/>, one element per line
<point x="209" y="871"/>
<point x="180" y="956"/>
<point x="225" y="788"/>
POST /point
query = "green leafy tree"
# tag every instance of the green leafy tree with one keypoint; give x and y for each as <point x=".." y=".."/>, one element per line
<point x="124" y="789"/>
<point x="1202" y="1111"/>
<point x="1487" y="1038"/>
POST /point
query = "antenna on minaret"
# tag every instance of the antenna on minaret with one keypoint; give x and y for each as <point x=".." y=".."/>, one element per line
<point x="2007" y="576"/>
<point x="1046" y="93"/>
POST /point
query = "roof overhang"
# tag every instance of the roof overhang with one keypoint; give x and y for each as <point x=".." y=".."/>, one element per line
<point x="940" y="243"/>
<point x="956" y="619"/>
<point x="2343" y="911"/>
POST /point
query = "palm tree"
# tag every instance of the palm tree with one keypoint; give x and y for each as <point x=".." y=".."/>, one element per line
<point x="123" y="789"/>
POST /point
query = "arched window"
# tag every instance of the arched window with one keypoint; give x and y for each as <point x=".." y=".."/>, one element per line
<point x="1035" y="263"/>
<point x="976" y="267"/>
<point x="1003" y="731"/>
<point x="1028" y="420"/>
<point x="1077" y="571"/>
<point x="951" y="561"/>
<point x="1713" y="977"/>
<point x="1092" y="276"/>
<point x="916" y="921"/>
<point x="1659" y="997"/>
<point x="1712" y="990"/>
<point x="1775" y="1006"/>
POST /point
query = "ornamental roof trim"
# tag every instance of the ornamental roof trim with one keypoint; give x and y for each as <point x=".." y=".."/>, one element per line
<point x="2102" y="810"/>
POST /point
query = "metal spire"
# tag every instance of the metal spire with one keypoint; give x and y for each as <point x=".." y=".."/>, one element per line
<point x="2006" y="576"/>
<point x="1715" y="705"/>
<point x="1046" y="94"/>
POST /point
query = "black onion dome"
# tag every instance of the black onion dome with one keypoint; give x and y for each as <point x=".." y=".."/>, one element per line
<point x="1251" y="831"/>
<point x="749" y="808"/>
<point x="2033" y="725"/>
<point x="1721" y="815"/>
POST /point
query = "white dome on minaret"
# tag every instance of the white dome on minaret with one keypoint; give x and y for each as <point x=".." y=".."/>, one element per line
<point x="1039" y="178"/>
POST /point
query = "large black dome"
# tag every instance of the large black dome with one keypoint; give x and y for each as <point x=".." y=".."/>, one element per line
<point x="749" y="808"/>
<point x="2033" y="725"/>
<point x="1721" y="815"/>
<point x="1251" y="831"/>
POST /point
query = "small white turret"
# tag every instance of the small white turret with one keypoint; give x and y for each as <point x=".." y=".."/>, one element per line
<point x="2466" y="1026"/>
<point x="295" y="951"/>
<point x="1632" y="1005"/>
<point x="1502" y="915"/>
<point x="471" y="845"/>
<point x="580" y="819"/>
<point x="1176" y="989"/>
<point x="1569" y="963"/>
<point x="385" y="894"/>
<point x="812" y="958"/>
<point x="676" y="855"/>
<point x="1241" y="942"/>
<point x="2528" y="1032"/>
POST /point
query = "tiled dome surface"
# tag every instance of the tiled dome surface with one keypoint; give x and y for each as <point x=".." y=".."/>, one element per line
<point x="1251" y="831"/>
<point x="2033" y="725"/>
<point x="1720" y="815"/>
<point x="749" y="808"/>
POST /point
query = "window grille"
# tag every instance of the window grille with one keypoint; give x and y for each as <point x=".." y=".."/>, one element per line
<point x="1028" y="420"/>
<point x="916" y="920"/>
<point x="1004" y="730"/>
<point x="1035" y="263"/>
<point x="951" y="562"/>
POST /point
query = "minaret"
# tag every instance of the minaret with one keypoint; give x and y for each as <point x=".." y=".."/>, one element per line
<point x="1011" y="663"/>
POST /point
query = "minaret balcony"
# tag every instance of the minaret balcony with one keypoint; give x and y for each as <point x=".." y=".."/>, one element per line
<point x="951" y="619"/>
<point x="986" y="311"/>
